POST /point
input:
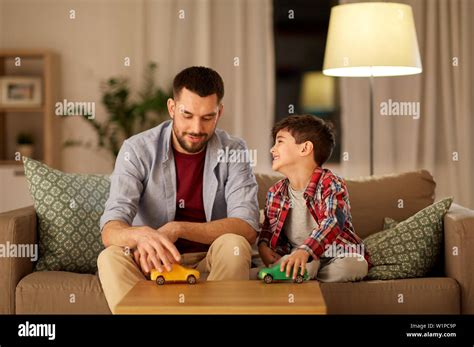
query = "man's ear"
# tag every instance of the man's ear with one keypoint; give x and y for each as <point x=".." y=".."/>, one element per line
<point x="221" y="111"/>
<point x="171" y="107"/>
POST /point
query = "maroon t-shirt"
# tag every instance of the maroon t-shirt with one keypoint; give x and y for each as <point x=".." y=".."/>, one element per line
<point x="189" y="202"/>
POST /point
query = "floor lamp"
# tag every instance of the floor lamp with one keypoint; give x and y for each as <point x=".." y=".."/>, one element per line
<point x="371" y="39"/>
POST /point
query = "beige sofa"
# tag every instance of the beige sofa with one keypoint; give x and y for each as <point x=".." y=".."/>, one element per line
<point x="449" y="290"/>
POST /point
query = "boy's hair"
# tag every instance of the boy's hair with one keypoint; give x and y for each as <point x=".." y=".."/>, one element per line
<point x="310" y="128"/>
<point x="200" y="80"/>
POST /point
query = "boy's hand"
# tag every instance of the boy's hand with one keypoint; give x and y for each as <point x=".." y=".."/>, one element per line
<point x="268" y="255"/>
<point x="295" y="261"/>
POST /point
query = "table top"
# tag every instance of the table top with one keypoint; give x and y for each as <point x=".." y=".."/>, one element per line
<point x="223" y="297"/>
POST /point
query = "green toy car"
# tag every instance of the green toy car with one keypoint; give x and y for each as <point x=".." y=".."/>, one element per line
<point x="270" y="274"/>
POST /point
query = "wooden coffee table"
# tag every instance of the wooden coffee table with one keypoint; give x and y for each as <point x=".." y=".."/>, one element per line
<point x="224" y="297"/>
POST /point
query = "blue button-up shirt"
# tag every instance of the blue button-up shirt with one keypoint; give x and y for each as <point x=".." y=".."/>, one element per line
<point x="143" y="183"/>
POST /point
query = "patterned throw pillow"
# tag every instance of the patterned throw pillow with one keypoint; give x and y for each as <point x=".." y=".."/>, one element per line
<point x="389" y="223"/>
<point x="68" y="207"/>
<point x="410" y="248"/>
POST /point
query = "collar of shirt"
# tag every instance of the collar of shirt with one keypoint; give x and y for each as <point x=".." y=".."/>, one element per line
<point x="281" y="188"/>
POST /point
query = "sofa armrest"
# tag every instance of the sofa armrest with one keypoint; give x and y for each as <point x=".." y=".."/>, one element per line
<point x="16" y="227"/>
<point x="459" y="252"/>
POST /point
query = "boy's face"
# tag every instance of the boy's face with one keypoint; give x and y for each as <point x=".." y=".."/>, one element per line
<point x="286" y="152"/>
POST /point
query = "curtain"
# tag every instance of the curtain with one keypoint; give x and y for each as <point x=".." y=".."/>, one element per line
<point x="234" y="37"/>
<point x="440" y="140"/>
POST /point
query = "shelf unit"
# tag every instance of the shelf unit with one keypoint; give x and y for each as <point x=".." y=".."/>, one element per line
<point x="35" y="63"/>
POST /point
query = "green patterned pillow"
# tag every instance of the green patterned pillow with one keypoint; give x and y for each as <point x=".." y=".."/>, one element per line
<point x="389" y="223"/>
<point x="68" y="207"/>
<point x="410" y="248"/>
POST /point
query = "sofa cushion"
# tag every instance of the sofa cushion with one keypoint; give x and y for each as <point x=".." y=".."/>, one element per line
<point x="57" y="292"/>
<point x="68" y="207"/>
<point x="398" y="196"/>
<point x="264" y="183"/>
<point x="408" y="296"/>
<point x="438" y="269"/>
<point x="411" y="248"/>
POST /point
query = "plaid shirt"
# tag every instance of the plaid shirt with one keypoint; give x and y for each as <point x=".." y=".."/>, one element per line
<point x="327" y="200"/>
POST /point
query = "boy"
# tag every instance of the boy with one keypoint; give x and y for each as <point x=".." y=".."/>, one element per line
<point x="307" y="215"/>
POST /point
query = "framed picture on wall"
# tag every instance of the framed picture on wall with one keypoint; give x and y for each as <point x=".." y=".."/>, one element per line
<point x="20" y="91"/>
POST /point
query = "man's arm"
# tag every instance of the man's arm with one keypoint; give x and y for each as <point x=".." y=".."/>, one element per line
<point x="126" y="187"/>
<point x="154" y="249"/>
<point x="241" y="198"/>
<point x="121" y="234"/>
<point x="207" y="232"/>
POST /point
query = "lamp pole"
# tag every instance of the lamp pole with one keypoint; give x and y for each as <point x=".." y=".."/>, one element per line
<point x="371" y="126"/>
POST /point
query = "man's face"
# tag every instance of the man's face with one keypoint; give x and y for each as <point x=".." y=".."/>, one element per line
<point x="285" y="152"/>
<point x="194" y="120"/>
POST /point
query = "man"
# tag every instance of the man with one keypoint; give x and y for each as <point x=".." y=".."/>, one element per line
<point x="173" y="198"/>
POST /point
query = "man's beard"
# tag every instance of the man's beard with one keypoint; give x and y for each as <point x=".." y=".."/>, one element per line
<point x="190" y="148"/>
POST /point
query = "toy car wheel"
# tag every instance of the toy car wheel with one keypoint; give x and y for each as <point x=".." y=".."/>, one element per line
<point x="160" y="280"/>
<point x="191" y="279"/>
<point x="299" y="279"/>
<point x="268" y="279"/>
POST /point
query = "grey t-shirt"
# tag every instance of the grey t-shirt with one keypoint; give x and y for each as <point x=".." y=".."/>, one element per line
<point x="299" y="223"/>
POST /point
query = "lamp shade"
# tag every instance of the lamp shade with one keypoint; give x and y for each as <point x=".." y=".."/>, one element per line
<point x="371" y="39"/>
<point x="317" y="92"/>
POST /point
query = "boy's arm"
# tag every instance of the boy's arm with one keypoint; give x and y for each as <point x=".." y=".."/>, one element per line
<point x="265" y="234"/>
<point x="328" y="229"/>
<point x="268" y="255"/>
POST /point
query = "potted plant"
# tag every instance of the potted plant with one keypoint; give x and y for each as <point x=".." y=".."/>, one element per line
<point x="25" y="144"/>
<point x="127" y="114"/>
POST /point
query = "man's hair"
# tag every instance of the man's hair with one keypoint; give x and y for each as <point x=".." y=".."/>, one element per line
<point x="200" y="80"/>
<point x="310" y="128"/>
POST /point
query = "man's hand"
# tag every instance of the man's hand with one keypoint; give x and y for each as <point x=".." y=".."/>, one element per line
<point x="171" y="230"/>
<point x="154" y="250"/>
<point x="138" y="260"/>
<point x="296" y="260"/>
<point x="268" y="255"/>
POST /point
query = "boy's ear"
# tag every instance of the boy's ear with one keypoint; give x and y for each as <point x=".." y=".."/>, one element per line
<point x="306" y="148"/>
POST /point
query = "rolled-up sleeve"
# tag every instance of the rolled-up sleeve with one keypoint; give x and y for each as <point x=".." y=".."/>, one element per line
<point x="241" y="192"/>
<point x="126" y="186"/>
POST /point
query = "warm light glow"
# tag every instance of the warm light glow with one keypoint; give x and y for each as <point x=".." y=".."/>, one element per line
<point x="372" y="39"/>
<point x="317" y="92"/>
